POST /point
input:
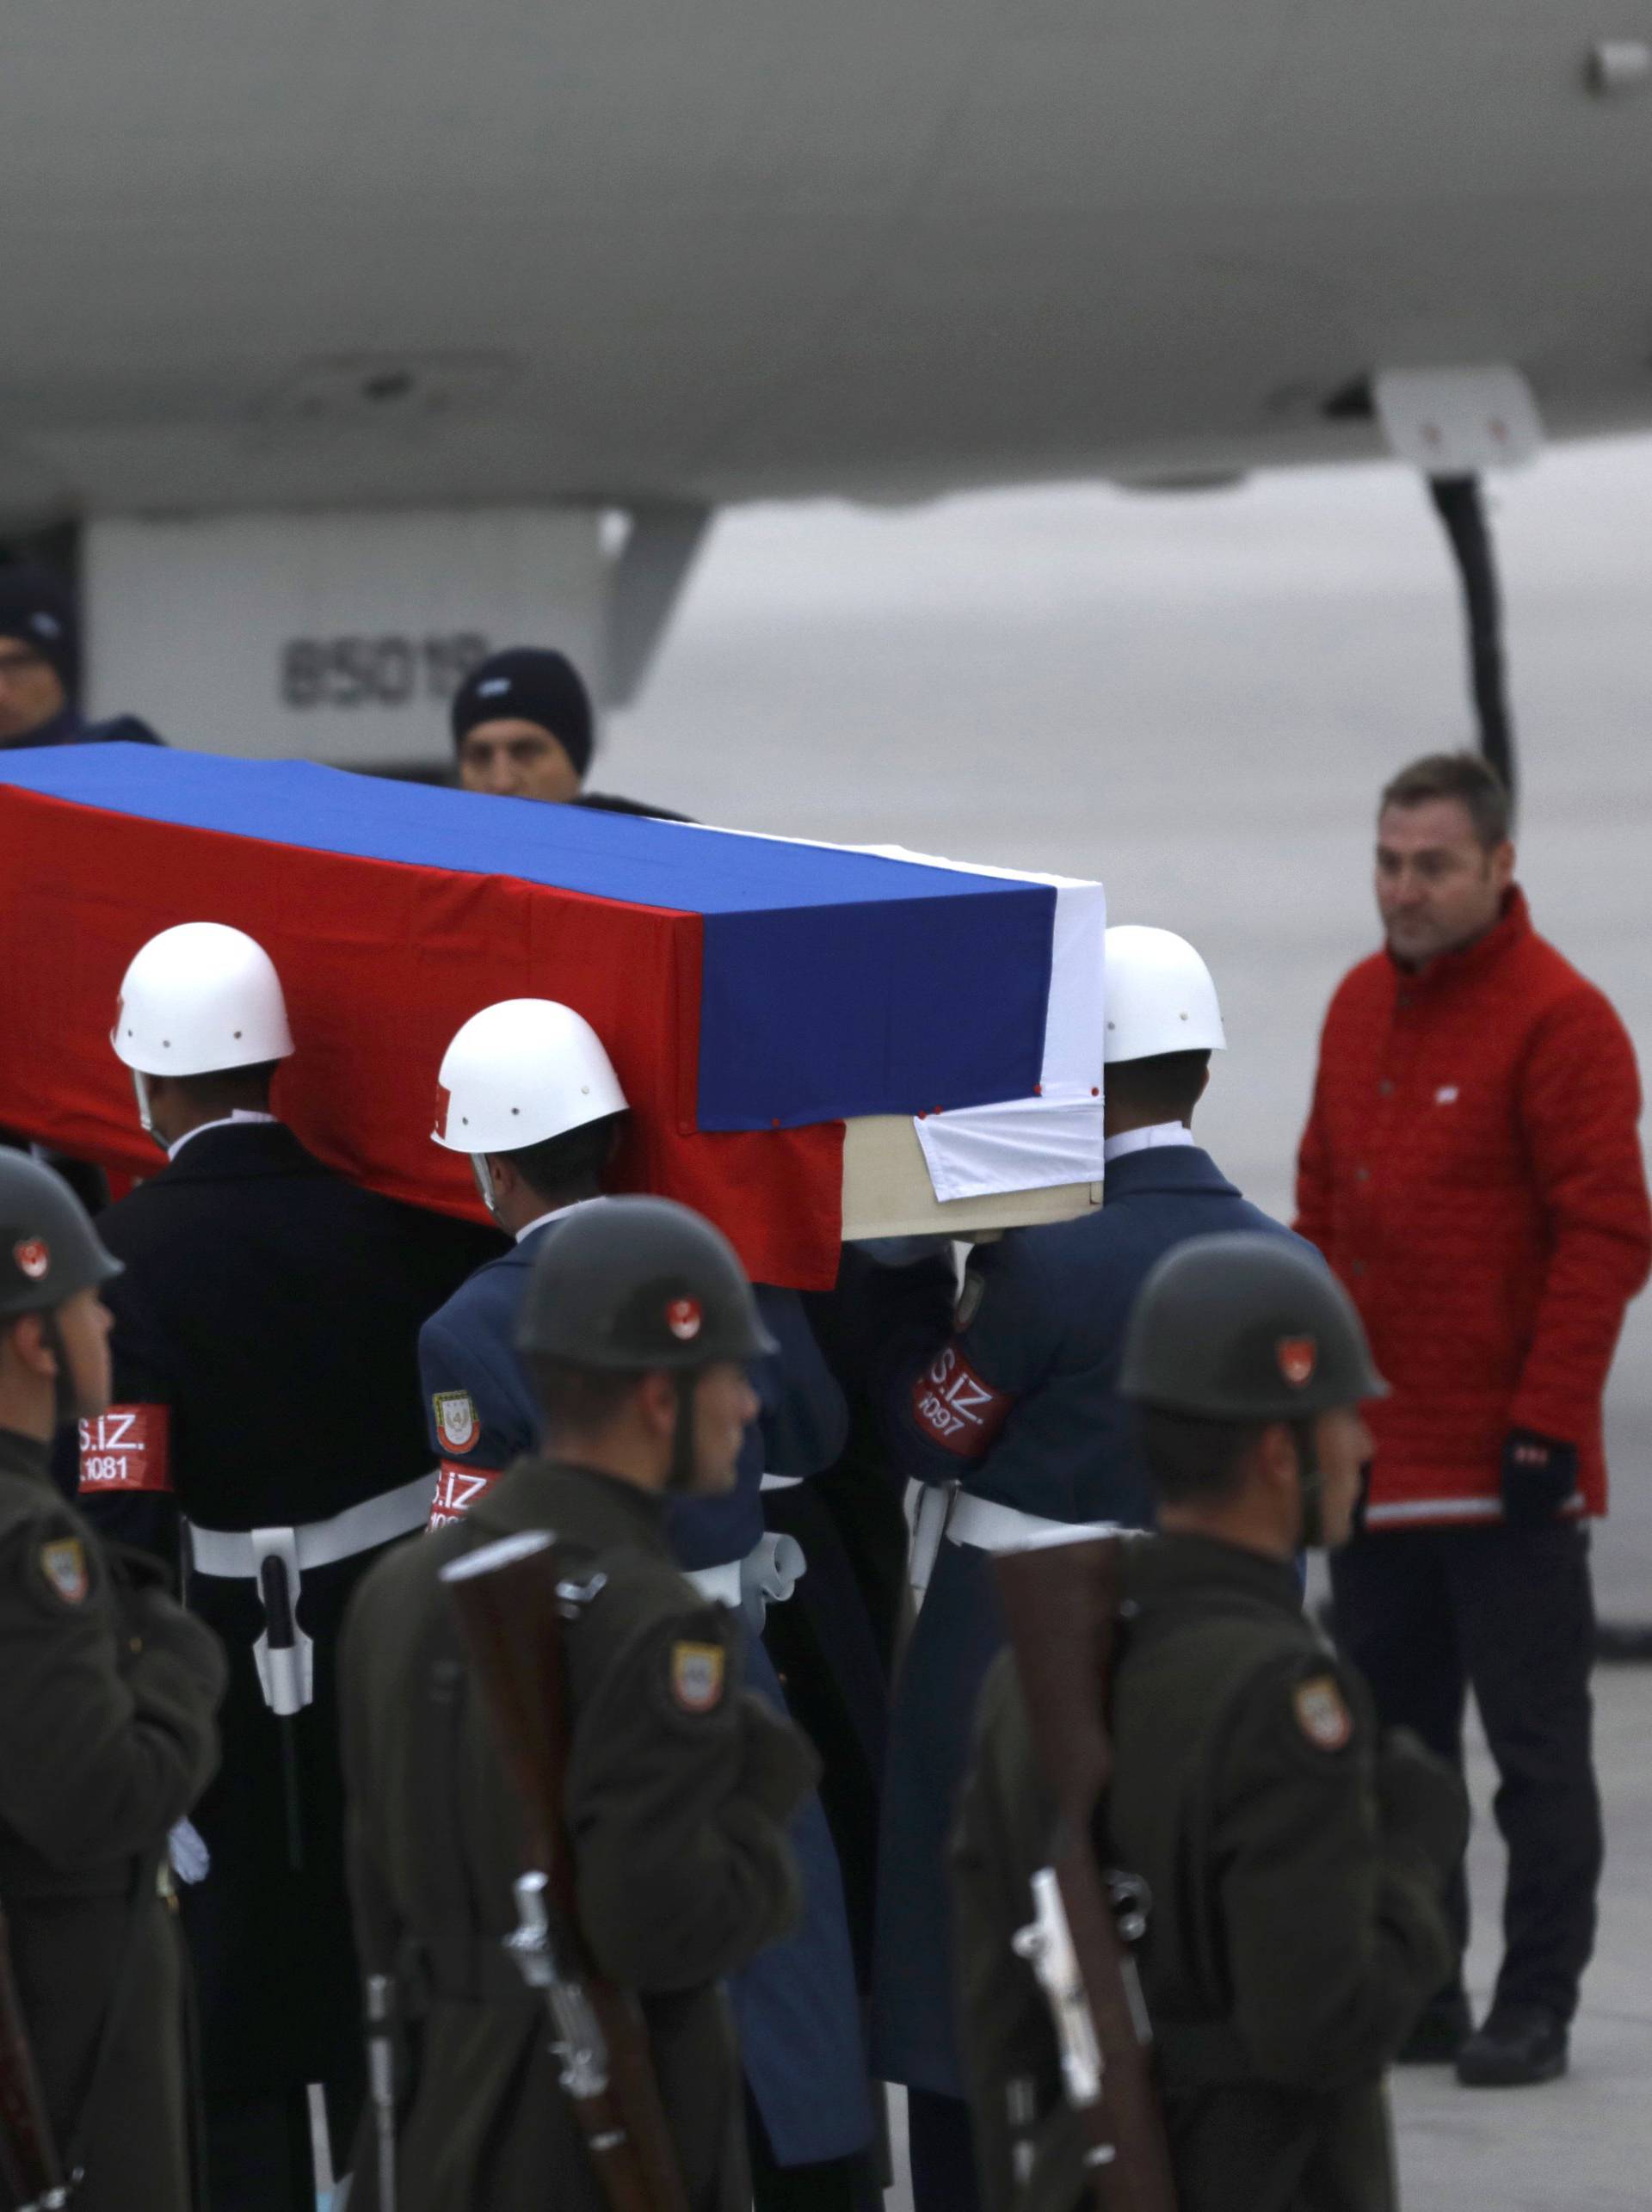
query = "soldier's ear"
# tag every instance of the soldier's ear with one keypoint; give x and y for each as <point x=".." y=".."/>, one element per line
<point x="1274" y="1459"/>
<point x="26" y="1342"/>
<point x="656" y="1400"/>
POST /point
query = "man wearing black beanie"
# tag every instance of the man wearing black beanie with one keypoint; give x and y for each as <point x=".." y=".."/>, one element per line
<point x="40" y="667"/>
<point x="522" y="726"/>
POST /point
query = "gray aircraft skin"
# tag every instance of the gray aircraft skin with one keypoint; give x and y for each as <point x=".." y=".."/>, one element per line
<point x="367" y="253"/>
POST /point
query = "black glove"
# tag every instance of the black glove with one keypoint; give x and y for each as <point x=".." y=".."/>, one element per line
<point x="1422" y="1800"/>
<point x="1539" y="1475"/>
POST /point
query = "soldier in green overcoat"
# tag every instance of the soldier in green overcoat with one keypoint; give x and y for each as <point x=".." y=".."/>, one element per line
<point x="635" y="1328"/>
<point x="1296" y="1859"/>
<point x="107" y="1737"/>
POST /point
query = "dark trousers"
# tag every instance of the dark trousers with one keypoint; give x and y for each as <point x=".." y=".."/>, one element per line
<point x="1429" y="1614"/>
<point x="846" y="2185"/>
<point x="259" y="2156"/>
<point x="942" y="2144"/>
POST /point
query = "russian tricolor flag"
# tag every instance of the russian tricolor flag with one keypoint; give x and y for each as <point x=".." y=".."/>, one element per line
<point x="753" y="992"/>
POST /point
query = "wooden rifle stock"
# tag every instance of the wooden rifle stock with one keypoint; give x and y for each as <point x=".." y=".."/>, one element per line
<point x="511" y="1599"/>
<point x="28" y="2154"/>
<point x="1061" y="1603"/>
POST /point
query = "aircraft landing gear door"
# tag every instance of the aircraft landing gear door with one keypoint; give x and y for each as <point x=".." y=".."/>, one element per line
<point x="1454" y="424"/>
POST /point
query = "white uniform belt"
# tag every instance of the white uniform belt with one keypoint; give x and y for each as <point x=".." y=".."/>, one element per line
<point x="766" y="1576"/>
<point x="231" y="1552"/>
<point x="986" y="1525"/>
<point x="927" y="1504"/>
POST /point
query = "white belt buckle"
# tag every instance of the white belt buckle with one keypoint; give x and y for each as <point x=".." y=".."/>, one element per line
<point x="287" y="1670"/>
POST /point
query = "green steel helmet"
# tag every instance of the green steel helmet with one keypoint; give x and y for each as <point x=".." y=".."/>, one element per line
<point x="633" y="1283"/>
<point x="49" y="1249"/>
<point x="1246" y="1326"/>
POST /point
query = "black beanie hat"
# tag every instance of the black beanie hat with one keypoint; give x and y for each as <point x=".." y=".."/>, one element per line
<point x="528" y="683"/>
<point x="38" y="609"/>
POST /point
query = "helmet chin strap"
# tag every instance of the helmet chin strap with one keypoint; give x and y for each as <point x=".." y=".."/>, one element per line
<point x="483" y="1175"/>
<point x="140" y="1086"/>
<point x="684" y="1466"/>
<point x="1311" y="1483"/>
<point x="65" y="1406"/>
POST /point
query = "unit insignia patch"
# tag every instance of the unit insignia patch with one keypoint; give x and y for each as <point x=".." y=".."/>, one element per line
<point x="683" y="1317"/>
<point x="697" y="1672"/>
<point x="456" y="1422"/>
<point x="63" y="1562"/>
<point x="1323" y="1712"/>
<point x="1299" y="1356"/>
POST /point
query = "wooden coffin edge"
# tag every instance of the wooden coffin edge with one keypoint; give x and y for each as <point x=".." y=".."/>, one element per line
<point x="887" y="1191"/>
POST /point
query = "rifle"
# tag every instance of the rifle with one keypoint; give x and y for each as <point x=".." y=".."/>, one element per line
<point x="28" y="2154"/>
<point x="1061" y="1604"/>
<point x="511" y="1599"/>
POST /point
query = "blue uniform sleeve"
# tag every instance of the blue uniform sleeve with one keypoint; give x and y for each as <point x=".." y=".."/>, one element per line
<point x="949" y="1409"/>
<point x="804" y="1419"/>
<point x="479" y="1412"/>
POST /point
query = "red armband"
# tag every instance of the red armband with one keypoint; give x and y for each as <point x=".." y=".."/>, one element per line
<point x="126" y="1449"/>
<point x="457" y="1489"/>
<point x="956" y="1408"/>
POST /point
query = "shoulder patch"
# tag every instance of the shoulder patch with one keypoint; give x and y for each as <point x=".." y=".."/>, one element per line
<point x="1323" y="1712"/>
<point x="698" y="1671"/>
<point x="63" y="1563"/>
<point x="456" y="1425"/>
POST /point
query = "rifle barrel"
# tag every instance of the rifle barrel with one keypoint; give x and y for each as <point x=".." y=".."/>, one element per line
<point x="1061" y="1606"/>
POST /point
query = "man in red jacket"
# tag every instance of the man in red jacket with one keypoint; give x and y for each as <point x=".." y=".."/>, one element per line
<point x="1472" y="1171"/>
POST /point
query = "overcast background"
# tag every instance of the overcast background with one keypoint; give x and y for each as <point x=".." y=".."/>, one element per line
<point x="1193" y="697"/>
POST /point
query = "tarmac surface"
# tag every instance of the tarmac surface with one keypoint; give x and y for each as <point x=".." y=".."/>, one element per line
<point x="1196" y="698"/>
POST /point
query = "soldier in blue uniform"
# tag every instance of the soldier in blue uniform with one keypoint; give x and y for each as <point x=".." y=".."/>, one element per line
<point x="39" y="668"/>
<point x="1013" y="1427"/>
<point x="531" y="1096"/>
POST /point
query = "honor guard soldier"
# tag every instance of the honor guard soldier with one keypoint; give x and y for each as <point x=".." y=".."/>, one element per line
<point x="529" y="1091"/>
<point x="636" y="1327"/>
<point x="106" y="1741"/>
<point x="1015" y="1427"/>
<point x="265" y="1365"/>
<point x="1294" y="1858"/>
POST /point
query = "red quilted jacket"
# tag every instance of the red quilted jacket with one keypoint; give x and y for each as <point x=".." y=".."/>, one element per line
<point x="1471" y="1169"/>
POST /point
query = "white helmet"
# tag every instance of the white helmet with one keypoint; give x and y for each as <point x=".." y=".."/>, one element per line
<point x="1160" y="997"/>
<point x="520" y="1072"/>
<point x="200" y="998"/>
